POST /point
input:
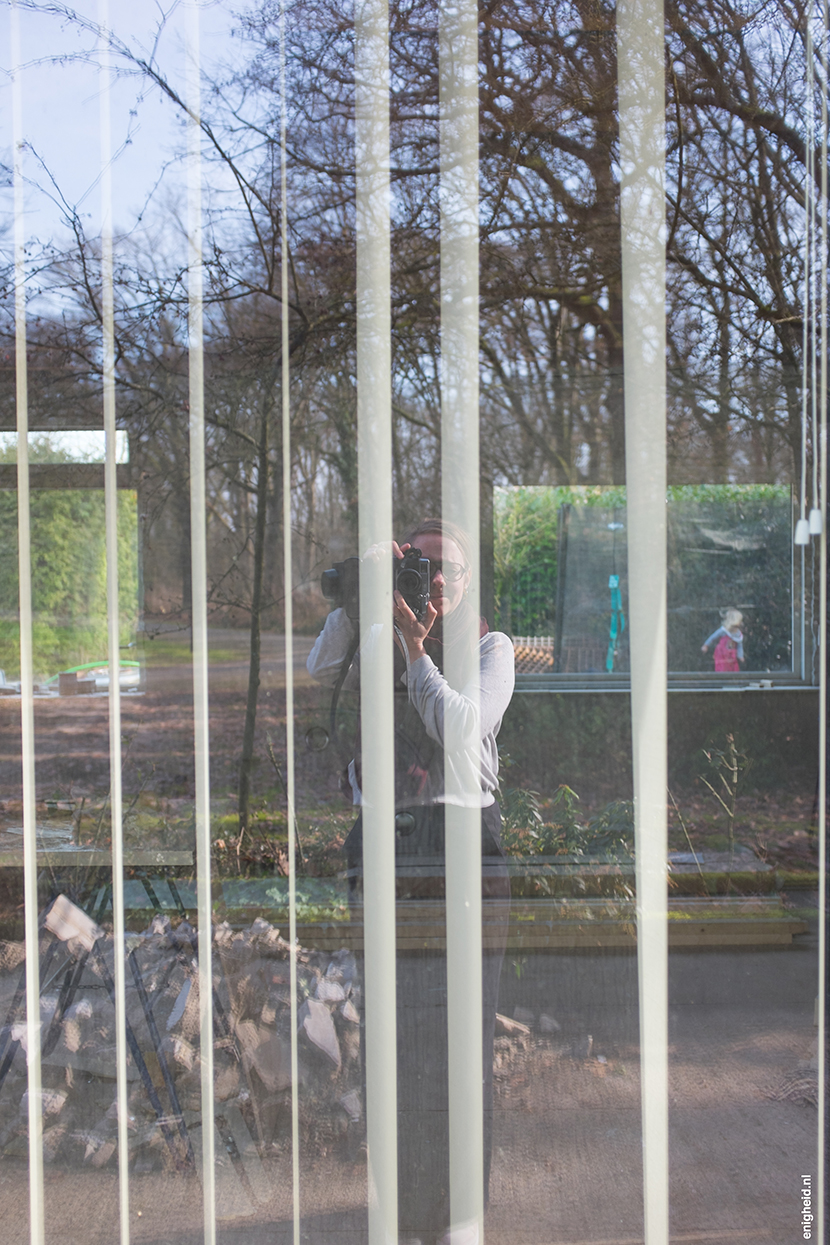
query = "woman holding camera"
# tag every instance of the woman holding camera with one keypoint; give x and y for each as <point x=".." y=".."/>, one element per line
<point x="449" y="640"/>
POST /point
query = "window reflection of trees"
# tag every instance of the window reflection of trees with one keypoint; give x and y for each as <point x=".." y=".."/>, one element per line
<point x="551" y="317"/>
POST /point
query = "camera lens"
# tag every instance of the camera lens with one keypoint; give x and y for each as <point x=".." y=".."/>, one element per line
<point x="404" y="824"/>
<point x="408" y="581"/>
<point x="330" y="584"/>
<point x="317" y="739"/>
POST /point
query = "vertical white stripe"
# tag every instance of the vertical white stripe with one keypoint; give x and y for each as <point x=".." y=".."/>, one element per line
<point x="815" y="263"/>
<point x="809" y="194"/>
<point x="113" y="630"/>
<point x="640" y="42"/>
<point x="288" y="590"/>
<point x="802" y="528"/>
<point x="199" y="611"/>
<point x="458" y="111"/>
<point x="821" y="451"/>
<point x="36" y="1217"/>
<point x="374" y="442"/>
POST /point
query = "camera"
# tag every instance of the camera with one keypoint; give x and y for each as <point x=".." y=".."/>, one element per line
<point x="342" y="584"/>
<point x="410" y="577"/>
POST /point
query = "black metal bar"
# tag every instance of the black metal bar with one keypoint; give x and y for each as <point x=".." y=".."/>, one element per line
<point x="156" y="1040"/>
<point x="10" y="1045"/>
<point x="218" y="1009"/>
<point x="154" y="899"/>
<point x="143" y="1072"/>
<point x="70" y="987"/>
<point x="177" y="899"/>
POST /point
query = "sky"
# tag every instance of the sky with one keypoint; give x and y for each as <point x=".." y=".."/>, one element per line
<point x="86" y="446"/>
<point x="61" y="90"/>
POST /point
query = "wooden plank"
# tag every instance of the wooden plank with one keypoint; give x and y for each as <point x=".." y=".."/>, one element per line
<point x="564" y="937"/>
<point x="81" y="858"/>
<point x="56" y="421"/>
<point x="65" y="475"/>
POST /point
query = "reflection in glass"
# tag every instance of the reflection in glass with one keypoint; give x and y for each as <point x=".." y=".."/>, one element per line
<point x="442" y="757"/>
<point x="467" y="361"/>
<point x="729" y="549"/>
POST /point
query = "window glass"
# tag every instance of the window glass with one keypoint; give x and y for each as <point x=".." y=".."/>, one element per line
<point x="433" y="898"/>
<point x="561" y="578"/>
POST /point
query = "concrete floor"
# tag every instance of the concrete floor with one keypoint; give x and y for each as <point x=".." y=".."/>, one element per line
<point x="567" y="1163"/>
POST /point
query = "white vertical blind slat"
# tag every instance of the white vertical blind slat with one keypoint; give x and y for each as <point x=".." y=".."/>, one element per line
<point x="641" y="54"/>
<point x="820" y="452"/>
<point x="288" y="589"/>
<point x="113" y="629"/>
<point x="199" y="613"/>
<point x="460" y="499"/>
<point x="33" y="1044"/>
<point x="374" y="438"/>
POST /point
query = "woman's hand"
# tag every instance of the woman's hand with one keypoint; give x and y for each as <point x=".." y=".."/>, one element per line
<point x="375" y="552"/>
<point x="413" y="632"/>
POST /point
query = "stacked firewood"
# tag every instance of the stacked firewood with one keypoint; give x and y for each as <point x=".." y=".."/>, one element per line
<point x="251" y="1009"/>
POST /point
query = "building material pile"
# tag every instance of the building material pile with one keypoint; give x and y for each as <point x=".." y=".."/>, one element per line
<point x="251" y="1039"/>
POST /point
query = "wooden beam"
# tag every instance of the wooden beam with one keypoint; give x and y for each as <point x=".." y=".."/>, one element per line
<point x="65" y="475"/>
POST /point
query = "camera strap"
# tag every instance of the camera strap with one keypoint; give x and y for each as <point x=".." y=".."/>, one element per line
<point x="341" y="679"/>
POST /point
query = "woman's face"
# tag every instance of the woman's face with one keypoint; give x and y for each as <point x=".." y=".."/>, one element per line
<point x="444" y="594"/>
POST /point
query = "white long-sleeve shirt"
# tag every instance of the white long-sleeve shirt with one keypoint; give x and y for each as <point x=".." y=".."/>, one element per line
<point x="464" y="769"/>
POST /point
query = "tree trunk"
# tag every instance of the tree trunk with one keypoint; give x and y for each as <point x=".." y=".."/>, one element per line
<point x="246" y="763"/>
<point x="615" y="394"/>
<point x="720" y="421"/>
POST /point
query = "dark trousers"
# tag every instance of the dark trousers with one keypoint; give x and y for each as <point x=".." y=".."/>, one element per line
<point x="423" y="1094"/>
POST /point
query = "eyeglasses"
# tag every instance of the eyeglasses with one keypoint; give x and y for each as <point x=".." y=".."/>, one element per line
<point x="452" y="571"/>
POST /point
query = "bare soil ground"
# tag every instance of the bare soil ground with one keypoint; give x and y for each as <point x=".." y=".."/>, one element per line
<point x="567" y="1158"/>
<point x="72" y="757"/>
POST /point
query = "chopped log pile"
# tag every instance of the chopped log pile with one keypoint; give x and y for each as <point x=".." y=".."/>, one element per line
<point x="251" y="1046"/>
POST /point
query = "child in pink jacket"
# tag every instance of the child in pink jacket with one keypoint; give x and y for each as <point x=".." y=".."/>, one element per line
<point x="729" y="648"/>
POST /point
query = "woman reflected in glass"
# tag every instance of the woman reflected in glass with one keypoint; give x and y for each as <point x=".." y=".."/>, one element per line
<point x="453" y="681"/>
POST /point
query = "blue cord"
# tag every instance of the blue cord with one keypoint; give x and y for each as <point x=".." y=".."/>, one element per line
<point x="617" y="626"/>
